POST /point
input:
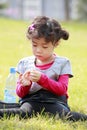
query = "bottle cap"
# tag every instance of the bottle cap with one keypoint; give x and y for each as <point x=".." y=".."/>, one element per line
<point x="12" y="70"/>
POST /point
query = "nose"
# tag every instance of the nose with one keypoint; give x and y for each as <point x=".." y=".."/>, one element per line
<point x="39" y="50"/>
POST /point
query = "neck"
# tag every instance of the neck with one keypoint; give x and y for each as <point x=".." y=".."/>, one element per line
<point x="47" y="61"/>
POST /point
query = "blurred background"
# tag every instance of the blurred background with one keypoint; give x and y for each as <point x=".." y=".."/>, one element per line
<point x="59" y="9"/>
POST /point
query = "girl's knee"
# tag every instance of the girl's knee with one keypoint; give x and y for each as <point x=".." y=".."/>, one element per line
<point x="26" y="107"/>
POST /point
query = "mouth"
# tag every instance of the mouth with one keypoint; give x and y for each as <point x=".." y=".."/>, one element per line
<point x="38" y="56"/>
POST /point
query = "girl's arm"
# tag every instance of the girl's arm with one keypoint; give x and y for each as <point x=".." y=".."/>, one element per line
<point x="23" y="84"/>
<point x="21" y="90"/>
<point x="58" y="87"/>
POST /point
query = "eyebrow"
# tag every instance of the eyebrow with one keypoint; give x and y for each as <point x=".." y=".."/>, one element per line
<point x="37" y="43"/>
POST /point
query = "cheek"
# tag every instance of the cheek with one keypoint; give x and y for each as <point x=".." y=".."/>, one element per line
<point x="33" y="50"/>
<point x="49" y="51"/>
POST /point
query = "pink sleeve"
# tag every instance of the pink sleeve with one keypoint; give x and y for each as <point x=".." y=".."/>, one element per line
<point x="58" y="87"/>
<point x="22" y="91"/>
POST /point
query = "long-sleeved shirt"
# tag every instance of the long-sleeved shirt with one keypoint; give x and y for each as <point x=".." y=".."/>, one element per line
<point x="59" y="86"/>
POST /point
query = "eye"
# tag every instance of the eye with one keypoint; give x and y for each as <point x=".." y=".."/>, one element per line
<point x="45" y="46"/>
<point x="34" y="45"/>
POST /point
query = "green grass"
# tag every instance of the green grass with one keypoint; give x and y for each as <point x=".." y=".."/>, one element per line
<point x="14" y="46"/>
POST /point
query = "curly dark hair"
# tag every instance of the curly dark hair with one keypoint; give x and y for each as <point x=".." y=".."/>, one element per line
<point x="44" y="27"/>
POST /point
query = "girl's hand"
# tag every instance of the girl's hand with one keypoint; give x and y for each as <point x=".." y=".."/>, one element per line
<point x="25" y="79"/>
<point x="35" y="75"/>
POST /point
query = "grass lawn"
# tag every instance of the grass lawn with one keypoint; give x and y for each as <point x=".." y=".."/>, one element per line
<point x="14" y="46"/>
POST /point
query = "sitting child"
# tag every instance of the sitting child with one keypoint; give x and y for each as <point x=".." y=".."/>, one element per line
<point x="43" y="78"/>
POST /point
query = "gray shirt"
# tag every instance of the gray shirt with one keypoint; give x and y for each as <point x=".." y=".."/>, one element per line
<point x="60" y="66"/>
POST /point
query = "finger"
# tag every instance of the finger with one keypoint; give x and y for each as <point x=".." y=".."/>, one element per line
<point x="20" y="76"/>
<point x="26" y="74"/>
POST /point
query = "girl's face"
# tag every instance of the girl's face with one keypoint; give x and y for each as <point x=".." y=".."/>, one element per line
<point x="42" y="50"/>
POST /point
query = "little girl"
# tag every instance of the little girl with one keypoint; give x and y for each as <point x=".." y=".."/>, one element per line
<point x="43" y="78"/>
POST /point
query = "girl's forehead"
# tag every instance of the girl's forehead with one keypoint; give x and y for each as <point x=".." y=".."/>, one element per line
<point x="40" y="40"/>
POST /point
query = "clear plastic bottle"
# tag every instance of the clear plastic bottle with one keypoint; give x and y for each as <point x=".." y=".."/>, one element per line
<point x="9" y="92"/>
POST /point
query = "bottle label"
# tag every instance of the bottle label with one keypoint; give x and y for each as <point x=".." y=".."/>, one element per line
<point x="10" y="96"/>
